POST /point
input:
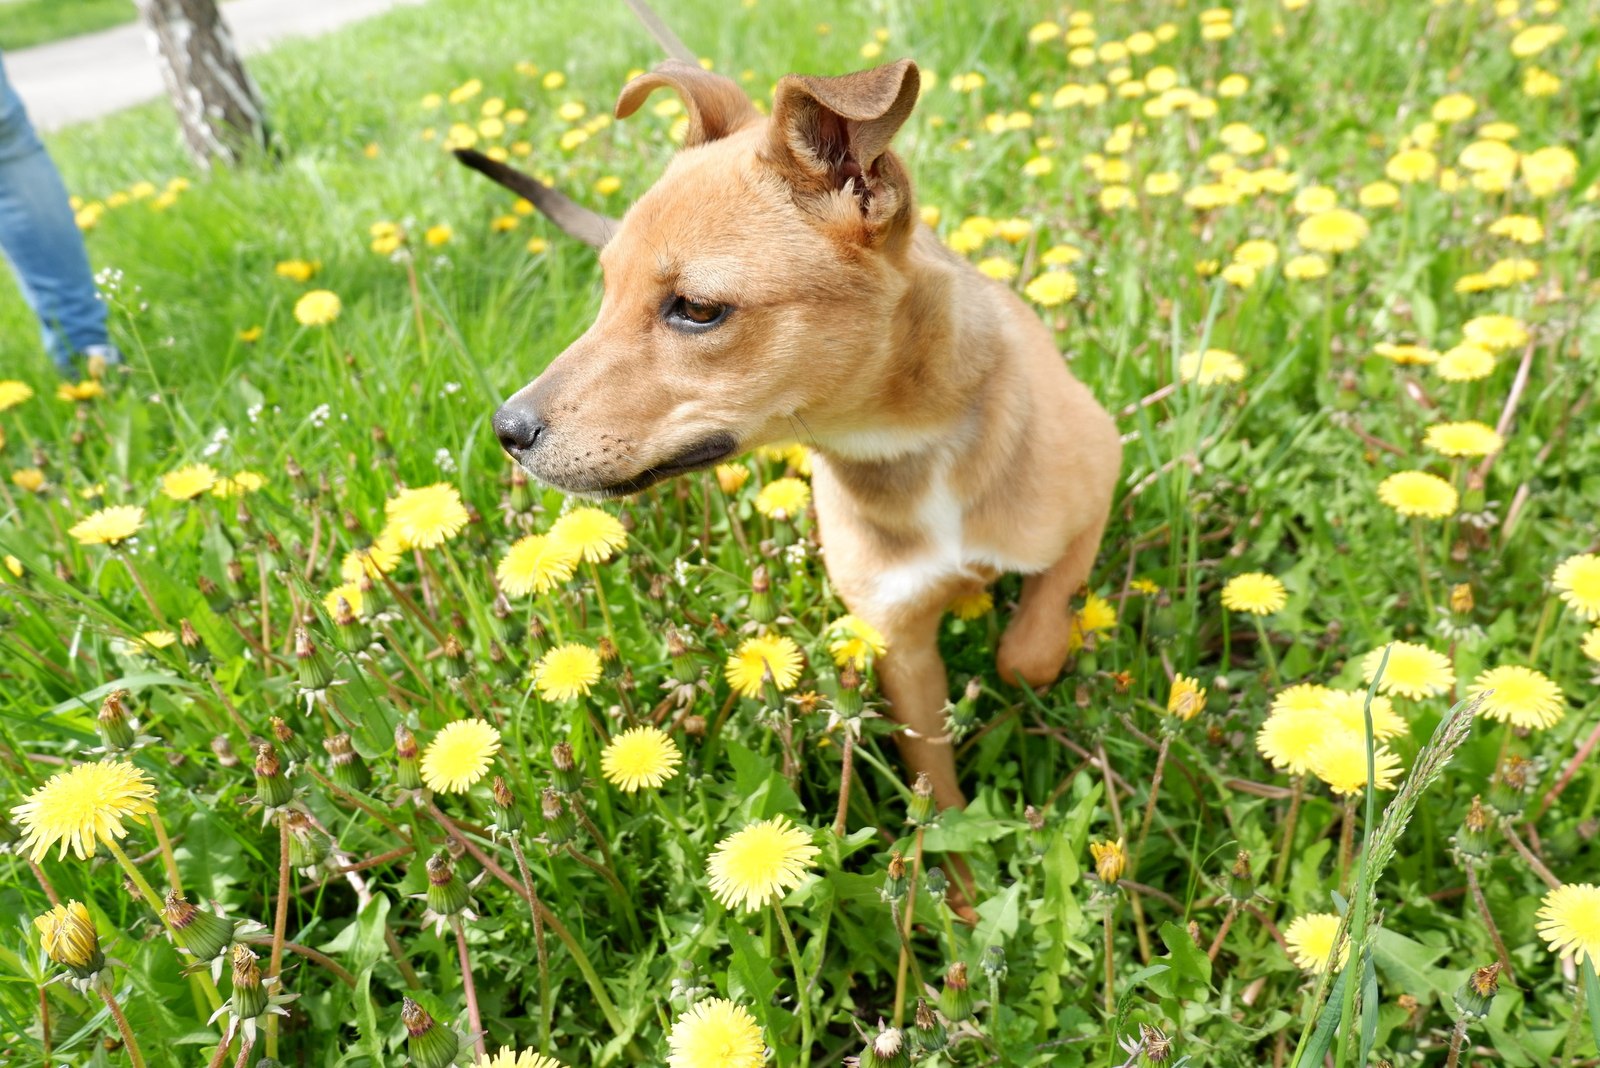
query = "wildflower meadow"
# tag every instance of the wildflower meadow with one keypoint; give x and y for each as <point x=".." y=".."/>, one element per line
<point x="327" y="738"/>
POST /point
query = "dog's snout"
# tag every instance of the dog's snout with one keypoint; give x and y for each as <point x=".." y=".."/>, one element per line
<point x="518" y="429"/>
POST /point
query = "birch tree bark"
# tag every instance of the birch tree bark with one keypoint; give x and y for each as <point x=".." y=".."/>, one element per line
<point x="218" y="107"/>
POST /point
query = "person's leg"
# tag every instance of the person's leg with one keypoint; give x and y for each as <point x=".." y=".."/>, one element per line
<point x="40" y="238"/>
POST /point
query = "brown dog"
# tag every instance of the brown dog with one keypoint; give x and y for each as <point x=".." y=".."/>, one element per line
<point x="777" y="284"/>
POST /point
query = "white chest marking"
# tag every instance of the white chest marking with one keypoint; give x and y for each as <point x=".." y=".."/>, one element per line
<point x="947" y="554"/>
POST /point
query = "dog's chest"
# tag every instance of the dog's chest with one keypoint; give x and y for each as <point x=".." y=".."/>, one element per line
<point x="946" y="553"/>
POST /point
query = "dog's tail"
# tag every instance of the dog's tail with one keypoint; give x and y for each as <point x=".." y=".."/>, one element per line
<point x="572" y="218"/>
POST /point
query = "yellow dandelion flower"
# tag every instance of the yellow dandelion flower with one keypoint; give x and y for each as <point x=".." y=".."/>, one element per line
<point x="68" y="937"/>
<point x="1311" y="940"/>
<point x="1412" y="165"/>
<point x="109" y="526"/>
<point x="536" y="563"/>
<point x="1569" y="921"/>
<point x="716" y="1033"/>
<point x="1346" y="710"/>
<point x="1413" y="671"/>
<point x="158" y="639"/>
<point x="1465" y="363"/>
<point x="87" y="390"/>
<point x="1591" y="644"/>
<point x="28" y="479"/>
<point x="350" y="593"/>
<point x="1577" y="580"/>
<point x="374" y="561"/>
<point x="1340" y="760"/>
<point x="1304" y="697"/>
<point x="756" y="656"/>
<point x="732" y="477"/>
<point x="1549" y="170"/>
<point x="1254" y="592"/>
<point x="756" y="865"/>
<point x="82" y="806"/>
<point x="970" y="606"/>
<point x="1522" y="697"/>
<point x="997" y="267"/>
<point x="317" y="308"/>
<point x="1454" y="107"/>
<point x="591" y="533"/>
<point x="1405" y="354"/>
<point x="1051" y="288"/>
<point x="1097" y="615"/>
<point x="459" y="755"/>
<point x="1315" y="199"/>
<point x="1334" y="230"/>
<point x="426" y="517"/>
<point x="1239" y="275"/>
<point x="238" y="485"/>
<point x="1378" y="195"/>
<point x="13" y="393"/>
<point x="1211" y="367"/>
<point x="508" y="1058"/>
<point x="1495" y="332"/>
<point x="189" y="482"/>
<point x="1287" y="738"/>
<point x="1185" y="698"/>
<point x="567" y="671"/>
<point x="1256" y="253"/>
<point x="1417" y="493"/>
<point x="296" y="270"/>
<point x="783" y="498"/>
<point x="1468" y="438"/>
<point x="1523" y="229"/>
<point x="1305" y="268"/>
<point x="439" y="234"/>
<point x="1110" y="859"/>
<point x="642" y="757"/>
<point x="855" y="641"/>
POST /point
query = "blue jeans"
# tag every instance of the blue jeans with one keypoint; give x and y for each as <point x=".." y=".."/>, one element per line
<point x="40" y="238"/>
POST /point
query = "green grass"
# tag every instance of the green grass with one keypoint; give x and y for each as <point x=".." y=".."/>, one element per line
<point x="1277" y="473"/>
<point x="25" y="23"/>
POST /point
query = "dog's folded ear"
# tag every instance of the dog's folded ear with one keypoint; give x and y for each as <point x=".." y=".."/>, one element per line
<point x="833" y="134"/>
<point x="716" y="106"/>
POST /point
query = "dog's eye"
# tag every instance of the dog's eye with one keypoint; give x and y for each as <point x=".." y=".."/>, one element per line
<point x="695" y="314"/>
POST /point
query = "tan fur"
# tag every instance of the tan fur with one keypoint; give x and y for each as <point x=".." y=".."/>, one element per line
<point x="952" y="442"/>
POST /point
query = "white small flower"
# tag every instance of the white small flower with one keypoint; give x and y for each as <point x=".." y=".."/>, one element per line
<point x="445" y="461"/>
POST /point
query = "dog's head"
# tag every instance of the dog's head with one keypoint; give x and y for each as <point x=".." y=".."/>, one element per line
<point x="748" y="293"/>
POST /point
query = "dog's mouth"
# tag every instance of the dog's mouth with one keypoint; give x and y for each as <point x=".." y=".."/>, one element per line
<point x="710" y="450"/>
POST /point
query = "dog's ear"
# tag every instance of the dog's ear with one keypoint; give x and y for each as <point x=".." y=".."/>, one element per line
<point x="716" y="106"/>
<point x="833" y="134"/>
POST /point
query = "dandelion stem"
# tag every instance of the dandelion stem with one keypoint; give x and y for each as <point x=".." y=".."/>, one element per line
<point x="1578" y="761"/>
<point x="1222" y="932"/>
<point x="1281" y="868"/>
<point x="1266" y="646"/>
<point x="600" y="597"/>
<point x="138" y="580"/>
<point x="1347" y="842"/>
<point x="605" y="872"/>
<point x="416" y="307"/>
<point x="474" y="1020"/>
<point x="1488" y="918"/>
<point x="280" y="921"/>
<point x="905" y="933"/>
<point x="847" y="763"/>
<point x="1456" y="1036"/>
<point x="545" y="993"/>
<point x="1528" y="855"/>
<point x="1150" y="803"/>
<point x="1422" y="566"/>
<point x="801" y="993"/>
<point x="1111" y="967"/>
<point x="129" y="1043"/>
<point x="154" y="901"/>
<point x="315" y="957"/>
<point x="168" y="861"/>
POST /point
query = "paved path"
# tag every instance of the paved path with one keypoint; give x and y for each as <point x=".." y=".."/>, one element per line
<point x="93" y="75"/>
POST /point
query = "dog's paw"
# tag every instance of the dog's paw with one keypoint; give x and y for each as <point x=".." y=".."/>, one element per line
<point x="1033" y="656"/>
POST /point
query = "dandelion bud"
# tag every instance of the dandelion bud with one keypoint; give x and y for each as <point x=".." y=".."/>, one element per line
<point x="115" y="730"/>
<point x="1241" y="884"/>
<point x="1509" y="788"/>
<point x="289" y="743"/>
<point x="1110" y="859"/>
<point x="244" y="517"/>
<point x="349" y="770"/>
<point x="429" y="1045"/>
<point x="886" y="1049"/>
<point x="1476" y="994"/>
<point x="69" y="938"/>
<point x="568" y="778"/>
<point x="606" y="648"/>
<point x="507" y="814"/>
<point x="962" y="716"/>
<point x="762" y="607"/>
<point x="500" y="609"/>
<point x="217" y="599"/>
<point x="560" y="826"/>
<point x="1157" y="1046"/>
<point x="201" y="934"/>
<point x="407" y="759"/>
<point x="447" y="894"/>
<point x="922" y="809"/>
<point x="928" y="1034"/>
<point x="272" y="787"/>
<point x="994" y="963"/>
<point x="380" y="443"/>
<point x="680" y="652"/>
<point x="222" y="749"/>
<point x="936" y="883"/>
<point x="894" y="883"/>
<point x="307" y="848"/>
<point x="1461" y="602"/>
<point x="249" y="994"/>
<point x="955" y="1000"/>
<point x="315" y="671"/>
<point x="847" y="700"/>
<point x="730" y="477"/>
<point x="347" y="626"/>
<point x="194" y="647"/>
<point x="1195" y="934"/>
<point x="453" y="655"/>
<point x="303" y="489"/>
<point x="1472" y="841"/>
<point x="694" y="726"/>
<point x="521" y="493"/>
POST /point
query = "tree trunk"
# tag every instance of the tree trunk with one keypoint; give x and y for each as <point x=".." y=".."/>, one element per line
<point x="217" y="103"/>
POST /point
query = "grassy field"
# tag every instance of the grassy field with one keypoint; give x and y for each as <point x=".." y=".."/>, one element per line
<point x="24" y="23"/>
<point x="1311" y="247"/>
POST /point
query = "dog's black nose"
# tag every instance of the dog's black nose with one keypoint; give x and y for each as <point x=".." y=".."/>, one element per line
<point x="518" y="429"/>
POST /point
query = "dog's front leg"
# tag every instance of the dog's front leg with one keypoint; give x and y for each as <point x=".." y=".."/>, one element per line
<point x="913" y="678"/>
<point x="1038" y="639"/>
